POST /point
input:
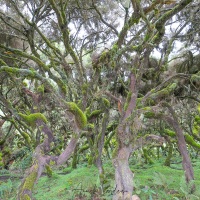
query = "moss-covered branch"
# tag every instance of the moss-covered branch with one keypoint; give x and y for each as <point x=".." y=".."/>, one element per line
<point x="188" y="138"/>
<point x="23" y="54"/>
<point x="32" y="118"/>
<point x="80" y="116"/>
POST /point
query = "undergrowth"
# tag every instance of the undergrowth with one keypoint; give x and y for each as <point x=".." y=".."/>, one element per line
<point x="151" y="182"/>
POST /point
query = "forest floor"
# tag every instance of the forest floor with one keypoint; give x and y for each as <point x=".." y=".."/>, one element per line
<point x="151" y="182"/>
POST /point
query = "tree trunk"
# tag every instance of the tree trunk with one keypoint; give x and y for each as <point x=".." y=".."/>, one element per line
<point x="125" y="135"/>
<point x="123" y="175"/>
<point x="186" y="162"/>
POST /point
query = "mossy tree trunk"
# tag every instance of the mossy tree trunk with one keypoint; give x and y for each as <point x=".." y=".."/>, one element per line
<point x="99" y="149"/>
<point x="40" y="158"/>
<point x="75" y="158"/>
<point x="186" y="162"/>
<point x="125" y="135"/>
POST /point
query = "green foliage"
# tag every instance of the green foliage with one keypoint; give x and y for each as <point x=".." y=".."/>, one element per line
<point x="5" y="189"/>
<point x="186" y="189"/>
<point x="150" y="182"/>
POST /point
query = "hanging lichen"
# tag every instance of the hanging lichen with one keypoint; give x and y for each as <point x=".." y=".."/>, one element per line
<point x="80" y="117"/>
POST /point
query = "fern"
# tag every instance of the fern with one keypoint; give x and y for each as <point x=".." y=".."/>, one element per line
<point x="5" y="189"/>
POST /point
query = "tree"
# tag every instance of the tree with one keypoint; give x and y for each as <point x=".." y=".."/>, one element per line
<point x="80" y="64"/>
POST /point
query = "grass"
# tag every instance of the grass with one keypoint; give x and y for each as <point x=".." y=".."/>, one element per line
<point x="154" y="181"/>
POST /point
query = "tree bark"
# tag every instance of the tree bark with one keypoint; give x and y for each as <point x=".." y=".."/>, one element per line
<point x="186" y="162"/>
<point x="123" y="175"/>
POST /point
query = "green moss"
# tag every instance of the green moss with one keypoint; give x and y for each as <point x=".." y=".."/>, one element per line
<point x="190" y="140"/>
<point x="11" y="70"/>
<point x="169" y="156"/>
<point x="94" y="113"/>
<point x="146" y="108"/>
<point x="41" y="89"/>
<point x="149" y="114"/>
<point x="103" y="56"/>
<point x="84" y="88"/>
<point x="197" y="119"/>
<point x="106" y="102"/>
<point x="164" y="92"/>
<point x="49" y="170"/>
<point x="169" y="132"/>
<point x="26" y="137"/>
<point x="198" y="108"/>
<point x="51" y="163"/>
<point x="2" y="63"/>
<point x="128" y="98"/>
<point x="195" y="78"/>
<point x="1" y="159"/>
<point x="115" y="151"/>
<point x="80" y="117"/>
<point x="28" y="183"/>
<point x="147" y="157"/>
<point x="32" y="118"/>
<point x="90" y="126"/>
<point x="138" y="102"/>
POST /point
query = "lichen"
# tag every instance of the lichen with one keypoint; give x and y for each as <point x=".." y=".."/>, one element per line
<point x="80" y="117"/>
<point x="32" y="118"/>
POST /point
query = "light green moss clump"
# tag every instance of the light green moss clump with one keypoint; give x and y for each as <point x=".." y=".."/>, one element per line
<point x="195" y="78"/>
<point x="31" y="119"/>
<point x="1" y="159"/>
<point x="164" y="92"/>
<point x="149" y="114"/>
<point x="41" y="89"/>
<point x="26" y="137"/>
<point x="90" y="126"/>
<point x="106" y="102"/>
<point x="49" y="171"/>
<point x="169" y="132"/>
<point x="94" y="113"/>
<point x="28" y="184"/>
<point x="80" y="117"/>
<point x="190" y="140"/>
